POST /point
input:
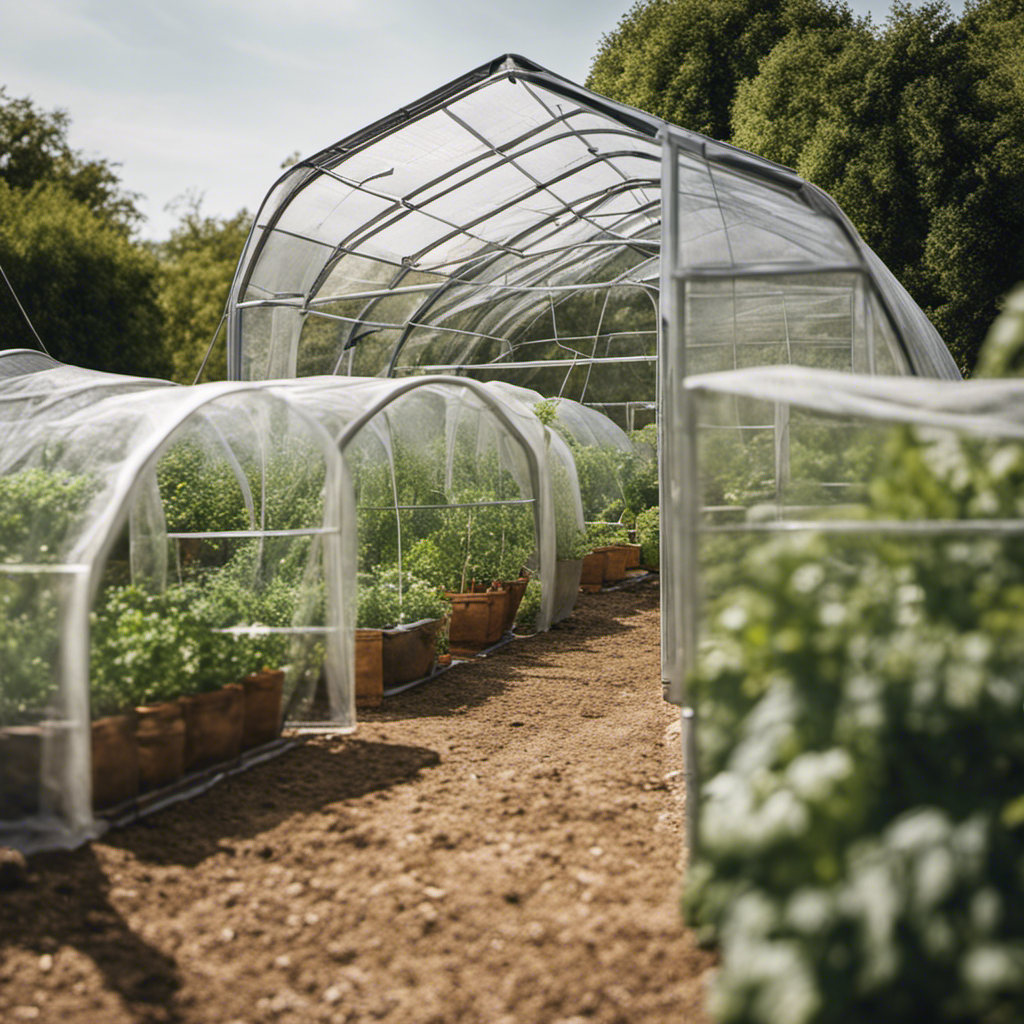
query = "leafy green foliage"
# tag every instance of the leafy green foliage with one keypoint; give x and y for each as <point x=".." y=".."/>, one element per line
<point x="1002" y="355"/>
<point x="149" y="647"/>
<point x="529" y="607"/>
<point x="683" y="59"/>
<point x="34" y="150"/>
<point x="393" y="599"/>
<point x="648" y="536"/>
<point x="197" y="265"/>
<point x="862" y="833"/>
<point x="29" y="610"/>
<point x="88" y="289"/>
<point x="39" y="513"/>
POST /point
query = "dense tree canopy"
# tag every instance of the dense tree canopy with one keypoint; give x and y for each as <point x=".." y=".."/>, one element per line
<point x="916" y="127"/>
<point x="89" y="291"/>
<point x="197" y="265"/>
<point x="34" y="150"/>
<point x="66" y="249"/>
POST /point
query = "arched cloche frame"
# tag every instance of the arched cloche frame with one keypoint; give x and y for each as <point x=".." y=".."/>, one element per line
<point x="348" y="406"/>
<point x="104" y="479"/>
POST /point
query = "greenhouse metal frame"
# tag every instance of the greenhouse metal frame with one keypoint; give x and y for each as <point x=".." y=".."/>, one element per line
<point x="515" y="226"/>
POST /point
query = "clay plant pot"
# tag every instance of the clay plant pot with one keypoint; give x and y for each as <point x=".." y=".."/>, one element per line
<point x="516" y="589"/>
<point x="160" y="734"/>
<point x="476" y="621"/>
<point x="592" y="572"/>
<point x="409" y="651"/>
<point x="615" y="561"/>
<point x="213" y="726"/>
<point x="261" y="716"/>
<point x="115" y="760"/>
<point x="369" y="667"/>
<point x="632" y="556"/>
<point x="21" y="765"/>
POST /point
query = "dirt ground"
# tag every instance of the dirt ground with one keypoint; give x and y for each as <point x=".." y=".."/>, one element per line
<point x="500" y="846"/>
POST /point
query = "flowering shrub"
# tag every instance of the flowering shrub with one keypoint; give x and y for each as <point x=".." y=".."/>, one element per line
<point x="860" y="706"/>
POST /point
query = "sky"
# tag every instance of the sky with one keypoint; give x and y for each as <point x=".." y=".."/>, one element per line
<point x="210" y="97"/>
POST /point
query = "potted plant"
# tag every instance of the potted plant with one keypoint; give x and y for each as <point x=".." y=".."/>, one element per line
<point x="397" y="623"/>
<point x="648" y="531"/>
<point x="38" y="511"/>
<point x="137" y="661"/>
<point x="28" y="689"/>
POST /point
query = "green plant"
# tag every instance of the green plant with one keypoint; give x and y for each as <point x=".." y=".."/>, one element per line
<point x="862" y="822"/>
<point x="39" y="513"/>
<point x="529" y="607"/>
<point x="604" y="534"/>
<point x="648" y="535"/>
<point x="29" y="610"/>
<point x="392" y="599"/>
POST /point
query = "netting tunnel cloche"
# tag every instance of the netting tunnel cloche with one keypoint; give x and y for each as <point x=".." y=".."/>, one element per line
<point x="163" y="550"/>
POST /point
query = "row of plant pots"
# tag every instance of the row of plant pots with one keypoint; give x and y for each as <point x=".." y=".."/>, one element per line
<point x="157" y="745"/>
<point x="609" y="563"/>
<point x="478" y="618"/>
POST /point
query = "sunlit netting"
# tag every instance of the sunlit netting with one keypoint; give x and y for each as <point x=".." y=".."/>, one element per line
<point x="155" y="542"/>
<point x="17" y="361"/>
<point x="510" y="226"/>
<point x="455" y="483"/>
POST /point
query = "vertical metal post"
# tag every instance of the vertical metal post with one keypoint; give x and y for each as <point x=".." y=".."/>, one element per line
<point x="671" y="370"/>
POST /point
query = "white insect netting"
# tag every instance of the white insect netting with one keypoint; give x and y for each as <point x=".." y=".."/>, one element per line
<point x="156" y="542"/>
<point x="455" y="483"/>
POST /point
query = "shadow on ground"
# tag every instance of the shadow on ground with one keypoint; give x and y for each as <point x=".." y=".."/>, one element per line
<point x="66" y="903"/>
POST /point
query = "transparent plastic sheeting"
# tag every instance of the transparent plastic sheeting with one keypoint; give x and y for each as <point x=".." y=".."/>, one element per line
<point x="858" y="471"/>
<point x="131" y="507"/>
<point x="428" y="451"/>
<point x="510" y="226"/>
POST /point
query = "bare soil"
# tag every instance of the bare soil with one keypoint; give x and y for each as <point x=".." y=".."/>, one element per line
<point x="502" y="845"/>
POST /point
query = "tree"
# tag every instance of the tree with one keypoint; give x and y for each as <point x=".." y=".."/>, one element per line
<point x="88" y="289"/>
<point x="197" y="265"/>
<point x="683" y="59"/>
<point x="916" y="130"/>
<point x="34" y="150"/>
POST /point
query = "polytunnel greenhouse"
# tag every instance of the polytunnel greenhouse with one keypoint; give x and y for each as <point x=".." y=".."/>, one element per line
<point x="513" y="226"/>
<point x="159" y="543"/>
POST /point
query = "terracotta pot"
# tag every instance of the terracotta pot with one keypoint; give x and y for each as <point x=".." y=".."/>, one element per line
<point x="21" y="765"/>
<point x="444" y="660"/>
<point x="516" y="589"/>
<point x="213" y="726"/>
<point x="261" y="716"/>
<point x="369" y="667"/>
<point x="476" y="621"/>
<point x="409" y="651"/>
<point x="115" y="760"/>
<point x="568" y="573"/>
<point x="615" y="561"/>
<point x="592" y="572"/>
<point x="160" y="733"/>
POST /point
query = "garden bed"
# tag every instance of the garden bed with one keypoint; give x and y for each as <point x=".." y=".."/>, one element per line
<point x="499" y="845"/>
